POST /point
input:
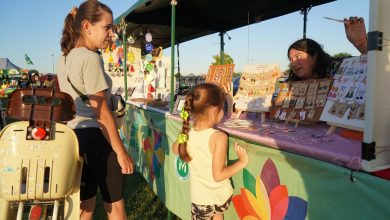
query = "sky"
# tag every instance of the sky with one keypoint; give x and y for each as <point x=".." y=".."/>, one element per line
<point x="34" y="28"/>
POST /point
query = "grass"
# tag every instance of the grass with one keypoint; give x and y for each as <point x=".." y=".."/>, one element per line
<point x="140" y="201"/>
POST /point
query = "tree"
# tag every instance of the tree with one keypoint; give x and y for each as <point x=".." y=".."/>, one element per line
<point x="177" y="75"/>
<point x="237" y="74"/>
<point x="341" y="56"/>
<point x="217" y="59"/>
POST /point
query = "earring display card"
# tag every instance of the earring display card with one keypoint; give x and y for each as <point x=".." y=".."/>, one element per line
<point x="346" y="98"/>
<point x="301" y="101"/>
<point x="284" y="91"/>
<point x="257" y="86"/>
<point x="220" y="75"/>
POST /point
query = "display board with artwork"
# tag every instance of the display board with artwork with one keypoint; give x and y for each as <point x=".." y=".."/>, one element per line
<point x="301" y="101"/>
<point x="257" y="86"/>
<point x="221" y="75"/>
<point x="345" y="106"/>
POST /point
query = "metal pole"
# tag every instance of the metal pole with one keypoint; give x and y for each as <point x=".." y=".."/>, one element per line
<point x="173" y="21"/>
<point x="222" y="52"/>
<point x="178" y="65"/>
<point x="125" y="56"/>
<point x="304" y="21"/>
<point x="305" y="11"/>
<point x="52" y="60"/>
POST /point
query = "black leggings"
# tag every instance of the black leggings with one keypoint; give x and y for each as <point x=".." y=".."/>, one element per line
<point x="101" y="168"/>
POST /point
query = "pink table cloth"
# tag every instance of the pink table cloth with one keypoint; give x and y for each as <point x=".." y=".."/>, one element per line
<point x="306" y="140"/>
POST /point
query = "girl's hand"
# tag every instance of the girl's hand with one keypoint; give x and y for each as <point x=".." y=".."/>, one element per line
<point x="241" y="153"/>
<point x="126" y="163"/>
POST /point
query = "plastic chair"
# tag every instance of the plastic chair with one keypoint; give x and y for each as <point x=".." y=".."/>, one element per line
<point x="39" y="160"/>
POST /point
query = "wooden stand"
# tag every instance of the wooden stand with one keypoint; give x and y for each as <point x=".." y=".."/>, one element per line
<point x="333" y="127"/>
<point x="295" y="121"/>
<point x="263" y="114"/>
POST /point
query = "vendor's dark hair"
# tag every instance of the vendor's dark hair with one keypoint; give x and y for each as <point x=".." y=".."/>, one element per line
<point x="196" y="103"/>
<point x="90" y="10"/>
<point x="323" y="60"/>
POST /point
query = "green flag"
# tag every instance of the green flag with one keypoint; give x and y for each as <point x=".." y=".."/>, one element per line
<point x="28" y="60"/>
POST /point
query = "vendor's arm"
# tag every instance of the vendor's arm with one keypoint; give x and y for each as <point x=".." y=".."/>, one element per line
<point x="218" y="147"/>
<point x="98" y="102"/>
<point x="355" y="30"/>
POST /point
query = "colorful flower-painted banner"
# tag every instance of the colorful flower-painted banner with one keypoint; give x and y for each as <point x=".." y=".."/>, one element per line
<point x="275" y="184"/>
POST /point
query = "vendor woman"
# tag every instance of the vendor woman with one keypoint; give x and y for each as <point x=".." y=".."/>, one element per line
<point x="309" y="61"/>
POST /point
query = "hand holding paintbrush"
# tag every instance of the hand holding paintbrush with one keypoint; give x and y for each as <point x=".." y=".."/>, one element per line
<point x="355" y="30"/>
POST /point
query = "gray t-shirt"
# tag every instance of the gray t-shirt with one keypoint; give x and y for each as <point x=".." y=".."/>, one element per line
<point x="85" y="71"/>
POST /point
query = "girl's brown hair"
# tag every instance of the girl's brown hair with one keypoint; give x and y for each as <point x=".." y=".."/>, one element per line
<point x="90" y="10"/>
<point x="197" y="102"/>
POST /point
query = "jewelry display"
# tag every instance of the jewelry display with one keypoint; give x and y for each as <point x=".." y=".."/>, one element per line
<point x="256" y="89"/>
<point x="301" y="101"/>
<point x="346" y="98"/>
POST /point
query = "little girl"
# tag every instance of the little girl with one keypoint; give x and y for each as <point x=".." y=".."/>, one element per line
<point x="205" y="148"/>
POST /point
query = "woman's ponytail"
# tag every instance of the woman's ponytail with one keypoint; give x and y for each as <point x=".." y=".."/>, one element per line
<point x="69" y="34"/>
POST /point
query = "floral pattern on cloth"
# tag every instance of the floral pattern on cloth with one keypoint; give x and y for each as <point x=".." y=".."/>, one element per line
<point x="203" y="212"/>
<point x="264" y="197"/>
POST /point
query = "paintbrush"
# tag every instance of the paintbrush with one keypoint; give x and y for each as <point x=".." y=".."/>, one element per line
<point x="334" y="19"/>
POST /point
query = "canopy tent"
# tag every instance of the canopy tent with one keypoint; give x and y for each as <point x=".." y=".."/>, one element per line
<point x="191" y="19"/>
<point x="177" y="21"/>
<point x="5" y="63"/>
<point x="7" y="67"/>
<point x="197" y="18"/>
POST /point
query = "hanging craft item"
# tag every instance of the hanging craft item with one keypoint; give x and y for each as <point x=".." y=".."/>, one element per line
<point x="132" y="68"/>
<point x="131" y="40"/>
<point x="148" y="37"/>
<point x="148" y="47"/>
<point x="130" y="56"/>
<point x="118" y="42"/>
<point x="120" y="61"/>
<point x="119" y="53"/>
<point x="110" y="59"/>
<point x="113" y="46"/>
<point x="149" y="67"/>
<point x="151" y="88"/>
<point x="107" y="50"/>
<point x="149" y="57"/>
<point x="157" y="52"/>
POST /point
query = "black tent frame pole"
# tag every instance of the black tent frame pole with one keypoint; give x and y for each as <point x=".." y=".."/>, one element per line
<point x="222" y="52"/>
<point x="305" y="11"/>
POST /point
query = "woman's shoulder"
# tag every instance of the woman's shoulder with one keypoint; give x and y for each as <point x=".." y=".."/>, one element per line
<point x="84" y="52"/>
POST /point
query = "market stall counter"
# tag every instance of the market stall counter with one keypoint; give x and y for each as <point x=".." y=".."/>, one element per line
<point x="307" y="140"/>
<point x="293" y="172"/>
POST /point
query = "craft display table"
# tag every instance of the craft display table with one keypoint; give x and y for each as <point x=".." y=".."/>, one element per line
<point x="293" y="173"/>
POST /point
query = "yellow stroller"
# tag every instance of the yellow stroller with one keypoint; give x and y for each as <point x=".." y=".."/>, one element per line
<point x="39" y="161"/>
